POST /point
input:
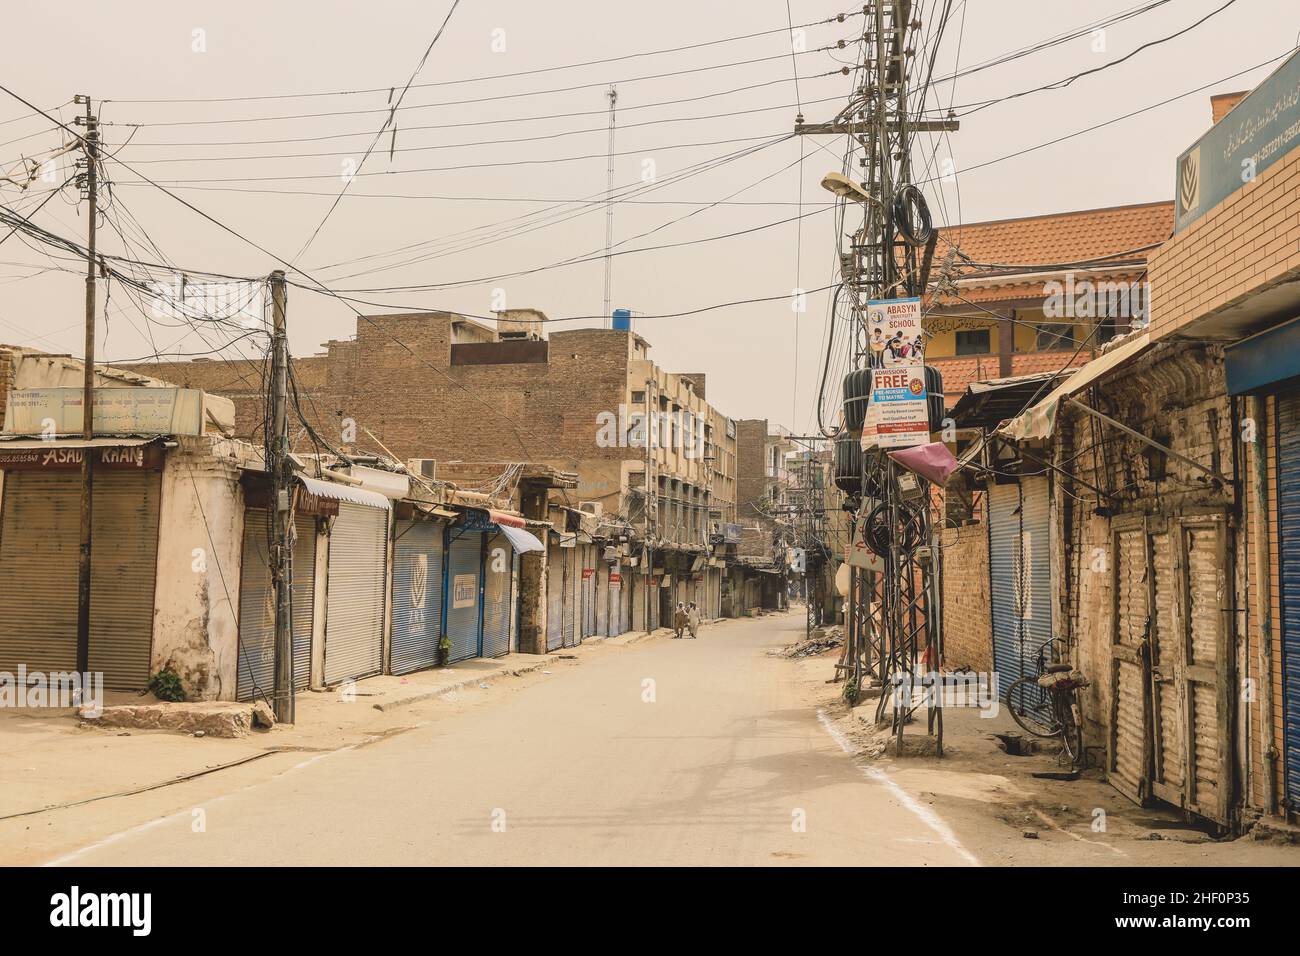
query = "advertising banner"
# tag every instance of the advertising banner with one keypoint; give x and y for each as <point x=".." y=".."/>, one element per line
<point x="898" y="415"/>
<point x="894" y="331"/>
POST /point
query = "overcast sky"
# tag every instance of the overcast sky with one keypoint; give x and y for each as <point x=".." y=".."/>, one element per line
<point x="757" y="365"/>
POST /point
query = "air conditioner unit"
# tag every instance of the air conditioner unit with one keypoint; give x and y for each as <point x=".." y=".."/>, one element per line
<point x="591" y="507"/>
<point x="424" y="467"/>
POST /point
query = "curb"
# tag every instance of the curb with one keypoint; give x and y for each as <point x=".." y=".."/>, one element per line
<point x="461" y="685"/>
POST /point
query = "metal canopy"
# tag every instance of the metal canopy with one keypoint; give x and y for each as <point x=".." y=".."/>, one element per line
<point x="26" y="444"/>
<point x="341" y="492"/>
<point x="1040" y="421"/>
<point x="987" y="404"/>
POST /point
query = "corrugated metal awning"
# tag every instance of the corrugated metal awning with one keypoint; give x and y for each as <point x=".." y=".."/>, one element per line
<point x="342" y="492"/>
<point x="24" y="444"/>
<point x="505" y="519"/>
<point x="1039" y="421"/>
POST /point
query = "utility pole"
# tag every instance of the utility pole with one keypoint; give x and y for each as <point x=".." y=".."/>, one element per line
<point x="898" y="609"/>
<point x="612" y="93"/>
<point x="90" y="145"/>
<point x="281" y="470"/>
<point x="651" y="502"/>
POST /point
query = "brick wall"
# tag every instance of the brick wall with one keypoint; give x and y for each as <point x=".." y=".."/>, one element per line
<point x="751" y="465"/>
<point x="1246" y="244"/>
<point x="968" y="625"/>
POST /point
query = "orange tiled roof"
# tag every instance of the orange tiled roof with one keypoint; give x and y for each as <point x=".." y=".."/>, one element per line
<point x="1064" y="237"/>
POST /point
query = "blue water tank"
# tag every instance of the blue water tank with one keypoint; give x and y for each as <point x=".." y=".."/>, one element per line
<point x="623" y="320"/>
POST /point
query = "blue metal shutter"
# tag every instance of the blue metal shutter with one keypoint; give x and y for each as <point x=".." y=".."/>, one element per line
<point x="464" y="593"/>
<point x="498" y="596"/>
<point x="1288" y="509"/>
<point x="256" y="663"/>
<point x="1021" y="597"/>
<point x="417" y="595"/>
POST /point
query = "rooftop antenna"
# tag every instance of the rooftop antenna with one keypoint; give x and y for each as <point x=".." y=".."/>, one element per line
<point x="612" y="93"/>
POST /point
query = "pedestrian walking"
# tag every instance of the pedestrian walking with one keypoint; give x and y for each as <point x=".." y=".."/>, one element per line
<point x="693" y="619"/>
<point x="679" y="620"/>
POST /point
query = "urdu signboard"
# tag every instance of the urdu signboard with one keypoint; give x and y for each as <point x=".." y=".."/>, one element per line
<point x="1259" y="131"/>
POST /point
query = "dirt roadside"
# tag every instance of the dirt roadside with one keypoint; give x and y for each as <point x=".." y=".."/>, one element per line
<point x="1005" y="815"/>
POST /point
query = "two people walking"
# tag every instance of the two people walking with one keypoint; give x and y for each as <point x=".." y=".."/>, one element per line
<point x="686" y="618"/>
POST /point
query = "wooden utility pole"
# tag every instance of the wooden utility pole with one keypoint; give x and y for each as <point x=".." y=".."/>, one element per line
<point x="281" y="471"/>
<point x="90" y="143"/>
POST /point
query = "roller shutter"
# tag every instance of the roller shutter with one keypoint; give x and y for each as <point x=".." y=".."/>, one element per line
<point x="256" y="664"/>
<point x="39" y="539"/>
<point x="1020" y="576"/>
<point x="572" y="582"/>
<point x="417" y="595"/>
<point x="465" y="594"/>
<point x="1288" y="508"/>
<point x="354" y="617"/>
<point x="498" y="596"/>
<point x="555" y="579"/>
<point x="39" y="543"/>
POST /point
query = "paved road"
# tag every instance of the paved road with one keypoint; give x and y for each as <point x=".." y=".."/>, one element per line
<point x="716" y="761"/>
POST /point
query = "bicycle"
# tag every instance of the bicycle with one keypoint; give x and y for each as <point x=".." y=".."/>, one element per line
<point x="1046" y="704"/>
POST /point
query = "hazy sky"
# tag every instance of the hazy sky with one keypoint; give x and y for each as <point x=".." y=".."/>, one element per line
<point x="146" y="50"/>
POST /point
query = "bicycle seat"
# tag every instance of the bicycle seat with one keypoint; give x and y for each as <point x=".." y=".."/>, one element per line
<point x="1058" y="668"/>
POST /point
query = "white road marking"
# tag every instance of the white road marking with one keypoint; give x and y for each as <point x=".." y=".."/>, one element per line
<point x="123" y="834"/>
<point x="926" y="815"/>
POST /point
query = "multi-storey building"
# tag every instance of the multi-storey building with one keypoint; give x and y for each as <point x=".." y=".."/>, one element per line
<point x="654" y="464"/>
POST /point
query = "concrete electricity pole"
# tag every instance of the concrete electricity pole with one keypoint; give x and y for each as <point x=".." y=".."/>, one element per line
<point x="90" y="145"/>
<point x="281" y="471"/>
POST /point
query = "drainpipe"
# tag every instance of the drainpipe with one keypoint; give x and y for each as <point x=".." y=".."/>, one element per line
<point x="1263" y="598"/>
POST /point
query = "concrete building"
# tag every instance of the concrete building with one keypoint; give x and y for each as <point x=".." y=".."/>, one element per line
<point x="445" y="388"/>
<point x="763" y="482"/>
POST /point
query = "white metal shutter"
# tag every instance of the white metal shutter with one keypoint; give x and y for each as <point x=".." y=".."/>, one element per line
<point x="498" y="596"/>
<point x="123" y="570"/>
<point x="555" y="596"/>
<point x="354" y="608"/>
<point x="417" y="595"/>
<point x="256" y="664"/>
<point x="572" y="636"/>
<point x="464" y="593"/>
<point x="39" y="539"/>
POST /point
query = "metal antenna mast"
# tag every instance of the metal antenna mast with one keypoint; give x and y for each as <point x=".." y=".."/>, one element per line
<point x="612" y="93"/>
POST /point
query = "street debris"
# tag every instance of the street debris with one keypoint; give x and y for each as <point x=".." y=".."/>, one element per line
<point x="822" y="639"/>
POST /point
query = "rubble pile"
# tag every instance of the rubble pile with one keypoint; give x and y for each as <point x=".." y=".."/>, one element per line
<point x="823" y="639"/>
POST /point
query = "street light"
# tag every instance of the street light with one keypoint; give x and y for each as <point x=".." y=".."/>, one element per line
<point x="845" y="188"/>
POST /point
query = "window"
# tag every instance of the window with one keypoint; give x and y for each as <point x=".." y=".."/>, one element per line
<point x="638" y="398"/>
<point x="975" y="342"/>
<point x="1053" y="336"/>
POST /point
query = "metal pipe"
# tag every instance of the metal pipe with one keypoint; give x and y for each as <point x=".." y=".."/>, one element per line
<point x="1263" y="597"/>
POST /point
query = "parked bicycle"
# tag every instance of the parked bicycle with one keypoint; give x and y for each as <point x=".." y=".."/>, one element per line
<point x="1046" y="703"/>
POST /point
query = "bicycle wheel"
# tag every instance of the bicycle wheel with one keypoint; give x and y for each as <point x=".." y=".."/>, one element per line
<point x="1031" y="708"/>
<point x="1071" y="731"/>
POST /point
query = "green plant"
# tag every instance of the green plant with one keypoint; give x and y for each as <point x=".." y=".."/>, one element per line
<point x="851" y="694"/>
<point x="166" y="685"/>
<point x="444" y="649"/>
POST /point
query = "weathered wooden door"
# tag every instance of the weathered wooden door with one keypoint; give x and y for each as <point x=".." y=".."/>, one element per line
<point x="1192" y="672"/>
<point x="1128" y="751"/>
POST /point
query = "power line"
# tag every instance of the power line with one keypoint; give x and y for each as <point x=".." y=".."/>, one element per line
<point x="389" y="121"/>
<point x="837" y="18"/>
